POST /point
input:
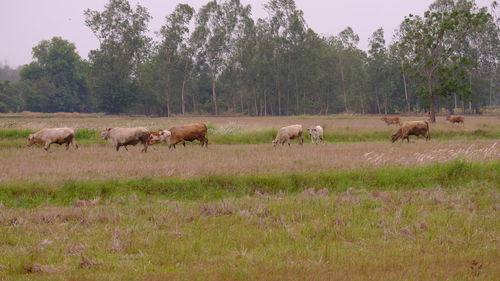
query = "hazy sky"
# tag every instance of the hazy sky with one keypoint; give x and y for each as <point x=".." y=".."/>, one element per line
<point x="24" y="23"/>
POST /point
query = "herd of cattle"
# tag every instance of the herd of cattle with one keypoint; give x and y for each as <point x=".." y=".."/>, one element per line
<point x="198" y="131"/>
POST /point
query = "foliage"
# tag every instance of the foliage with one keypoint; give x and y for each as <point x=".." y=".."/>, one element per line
<point x="220" y="60"/>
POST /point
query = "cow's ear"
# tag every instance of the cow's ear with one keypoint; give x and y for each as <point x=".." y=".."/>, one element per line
<point x="108" y="129"/>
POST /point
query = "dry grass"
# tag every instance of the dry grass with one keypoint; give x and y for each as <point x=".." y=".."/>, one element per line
<point x="98" y="162"/>
<point x="330" y="123"/>
<point x="432" y="234"/>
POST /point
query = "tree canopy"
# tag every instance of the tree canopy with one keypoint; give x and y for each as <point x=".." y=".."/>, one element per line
<point x="220" y="60"/>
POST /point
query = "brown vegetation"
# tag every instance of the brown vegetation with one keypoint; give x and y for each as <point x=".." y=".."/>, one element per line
<point x="98" y="162"/>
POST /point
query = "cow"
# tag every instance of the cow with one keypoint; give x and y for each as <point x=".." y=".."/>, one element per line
<point x="412" y="128"/>
<point x="391" y="120"/>
<point x="287" y="133"/>
<point x="159" y="136"/>
<point x="191" y="132"/>
<point x="49" y="136"/>
<point x="126" y="136"/>
<point x="455" y="119"/>
<point x="316" y="133"/>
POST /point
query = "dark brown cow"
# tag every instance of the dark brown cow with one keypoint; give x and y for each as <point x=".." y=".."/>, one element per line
<point x="191" y="132"/>
<point x="455" y="119"/>
<point x="412" y="128"/>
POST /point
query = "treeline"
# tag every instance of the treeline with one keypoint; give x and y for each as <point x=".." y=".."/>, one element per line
<point x="219" y="60"/>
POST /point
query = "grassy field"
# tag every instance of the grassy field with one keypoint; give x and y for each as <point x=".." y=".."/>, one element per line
<point x="354" y="208"/>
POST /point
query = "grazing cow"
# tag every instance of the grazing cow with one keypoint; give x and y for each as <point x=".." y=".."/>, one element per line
<point x="287" y="133"/>
<point x="316" y="133"/>
<point x="391" y="120"/>
<point x="455" y="119"/>
<point x="53" y="135"/>
<point x="159" y="136"/>
<point x="126" y="136"/>
<point x="191" y="132"/>
<point x="412" y="128"/>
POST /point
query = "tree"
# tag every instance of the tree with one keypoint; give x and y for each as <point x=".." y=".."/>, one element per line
<point x="123" y="47"/>
<point x="434" y="41"/>
<point x="174" y="52"/>
<point x="56" y="75"/>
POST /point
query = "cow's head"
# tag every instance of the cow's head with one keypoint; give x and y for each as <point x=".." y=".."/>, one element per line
<point x="312" y="131"/>
<point x="448" y="117"/>
<point x="396" y="135"/>
<point x="31" y="140"/>
<point x="159" y="136"/>
<point x="105" y="133"/>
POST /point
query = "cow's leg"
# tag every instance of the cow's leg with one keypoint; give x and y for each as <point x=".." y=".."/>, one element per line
<point x="73" y="143"/>
<point x="67" y="145"/>
<point x="125" y="147"/>
<point x="117" y="147"/>
<point x="145" y="149"/>
<point x="46" y="146"/>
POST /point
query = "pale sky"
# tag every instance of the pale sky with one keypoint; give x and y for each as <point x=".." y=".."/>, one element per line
<point x="24" y="23"/>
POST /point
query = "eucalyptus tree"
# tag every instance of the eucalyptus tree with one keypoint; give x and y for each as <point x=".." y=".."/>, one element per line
<point x="124" y="45"/>
<point x="287" y="27"/>
<point x="174" y="54"/>
<point x="213" y="37"/>
<point x="349" y="68"/>
<point x="378" y="69"/>
<point x="434" y="41"/>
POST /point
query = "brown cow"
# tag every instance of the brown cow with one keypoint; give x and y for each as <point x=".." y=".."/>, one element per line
<point x="191" y="132"/>
<point x="455" y="119"/>
<point x="53" y="135"/>
<point x="412" y="128"/>
<point x="391" y="120"/>
<point x="126" y="136"/>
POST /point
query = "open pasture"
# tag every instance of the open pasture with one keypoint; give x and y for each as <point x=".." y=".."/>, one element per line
<point x="102" y="162"/>
<point x="347" y="209"/>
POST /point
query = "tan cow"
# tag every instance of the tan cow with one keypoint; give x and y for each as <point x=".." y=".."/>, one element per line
<point x="412" y="128"/>
<point x="53" y="135"/>
<point x="455" y="119"/>
<point x="126" y="136"/>
<point x="191" y="132"/>
<point x="287" y="133"/>
<point x="391" y="120"/>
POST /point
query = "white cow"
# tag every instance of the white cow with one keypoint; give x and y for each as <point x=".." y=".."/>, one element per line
<point x="316" y="133"/>
<point x="287" y="133"/>
<point x="126" y="136"/>
<point x="53" y="135"/>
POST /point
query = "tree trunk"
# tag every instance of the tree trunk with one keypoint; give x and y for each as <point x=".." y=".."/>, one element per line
<point x="214" y="97"/>
<point x="433" y="98"/>
<point x="183" y="100"/>
<point x="455" y="98"/>
<point x="265" y="103"/>
<point x="406" y="94"/>
<point x="343" y="88"/>
<point x="167" y="93"/>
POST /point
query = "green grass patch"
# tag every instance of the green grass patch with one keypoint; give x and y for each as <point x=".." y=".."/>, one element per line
<point x="17" y="138"/>
<point x="455" y="173"/>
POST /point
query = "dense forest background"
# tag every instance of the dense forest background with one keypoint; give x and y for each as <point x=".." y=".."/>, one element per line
<point x="219" y="60"/>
